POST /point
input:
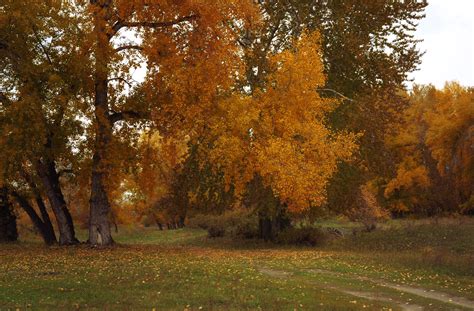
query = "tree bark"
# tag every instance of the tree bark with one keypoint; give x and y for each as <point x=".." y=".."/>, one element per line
<point x="50" y="180"/>
<point x="48" y="238"/>
<point x="49" y="230"/>
<point x="41" y="206"/>
<point x="8" y="228"/>
<point x="265" y="228"/>
<point x="99" y="226"/>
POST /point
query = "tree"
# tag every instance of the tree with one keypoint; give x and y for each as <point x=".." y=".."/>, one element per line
<point x="38" y="85"/>
<point x="279" y="133"/>
<point x="185" y="44"/>
<point x="368" y="50"/>
<point x="434" y="171"/>
<point x="8" y="229"/>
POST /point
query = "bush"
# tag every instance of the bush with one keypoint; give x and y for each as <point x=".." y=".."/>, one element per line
<point x="200" y="221"/>
<point x="302" y="236"/>
<point x="367" y="210"/>
<point x="236" y="223"/>
<point x="147" y="221"/>
<point x="215" y="231"/>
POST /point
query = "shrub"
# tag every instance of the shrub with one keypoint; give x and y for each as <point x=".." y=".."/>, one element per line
<point x="147" y="221"/>
<point x="200" y="221"/>
<point x="367" y="210"/>
<point x="236" y="223"/>
<point x="215" y="231"/>
<point x="302" y="236"/>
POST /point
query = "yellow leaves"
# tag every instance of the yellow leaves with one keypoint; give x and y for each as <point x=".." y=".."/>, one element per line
<point x="409" y="175"/>
<point x="301" y="71"/>
<point x="436" y="134"/>
<point x="450" y="118"/>
<point x="280" y="133"/>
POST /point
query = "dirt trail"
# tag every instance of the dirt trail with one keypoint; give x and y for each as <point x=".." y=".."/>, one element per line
<point x="365" y="295"/>
<point x="425" y="293"/>
<point x="431" y="294"/>
<point x="378" y="297"/>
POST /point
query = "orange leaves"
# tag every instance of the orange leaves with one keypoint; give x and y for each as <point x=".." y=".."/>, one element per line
<point x="194" y="63"/>
<point x="449" y="120"/>
<point x="433" y="142"/>
<point x="161" y="158"/>
<point x="409" y="175"/>
<point x="280" y="131"/>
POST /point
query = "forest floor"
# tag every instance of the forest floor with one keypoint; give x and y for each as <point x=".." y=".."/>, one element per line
<point x="404" y="265"/>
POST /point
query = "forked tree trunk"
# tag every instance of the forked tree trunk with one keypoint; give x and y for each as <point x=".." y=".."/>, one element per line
<point x="50" y="180"/>
<point x="48" y="235"/>
<point x="48" y="226"/>
<point x="99" y="226"/>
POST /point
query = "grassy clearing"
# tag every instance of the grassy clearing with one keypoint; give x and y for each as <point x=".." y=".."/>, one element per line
<point x="182" y="269"/>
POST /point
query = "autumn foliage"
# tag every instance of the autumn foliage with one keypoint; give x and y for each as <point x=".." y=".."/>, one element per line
<point x="279" y="131"/>
<point x="434" y="145"/>
<point x="275" y="109"/>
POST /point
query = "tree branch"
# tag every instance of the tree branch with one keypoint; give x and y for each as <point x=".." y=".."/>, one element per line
<point x="65" y="171"/>
<point x="128" y="47"/>
<point x="125" y="115"/>
<point x="121" y="80"/>
<point x="122" y="24"/>
<point x="337" y="93"/>
<point x="5" y="100"/>
<point x="38" y="39"/>
<point x="160" y="24"/>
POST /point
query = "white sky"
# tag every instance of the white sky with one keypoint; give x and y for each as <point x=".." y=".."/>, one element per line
<point x="448" y="33"/>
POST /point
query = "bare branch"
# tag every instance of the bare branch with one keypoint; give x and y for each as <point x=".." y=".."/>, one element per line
<point x="337" y="93"/>
<point x="128" y="47"/>
<point x="115" y="28"/>
<point x="160" y="24"/>
<point x="121" y="80"/>
<point x="121" y="24"/>
<point x="38" y="39"/>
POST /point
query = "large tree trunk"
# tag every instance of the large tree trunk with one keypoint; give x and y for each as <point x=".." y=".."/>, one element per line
<point x="272" y="222"/>
<point x="272" y="213"/>
<point x="265" y="228"/>
<point x="8" y="229"/>
<point x="48" y="236"/>
<point x="99" y="226"/>
<point x="41" y="206"/>
<point x="48" y="226"/>
<point x="50" y="180"/>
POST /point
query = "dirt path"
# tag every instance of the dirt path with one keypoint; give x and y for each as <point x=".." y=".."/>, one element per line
<point x="431" y="294"/>
<point x="365" y="295"/>
<point x="425" y="293"/>
<point x="378" y="297"/>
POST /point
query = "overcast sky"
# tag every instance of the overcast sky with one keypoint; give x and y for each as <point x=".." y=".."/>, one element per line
<point x="448" y="33"/>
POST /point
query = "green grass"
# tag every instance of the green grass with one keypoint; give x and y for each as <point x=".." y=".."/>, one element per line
<point x="183" y="269"/>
